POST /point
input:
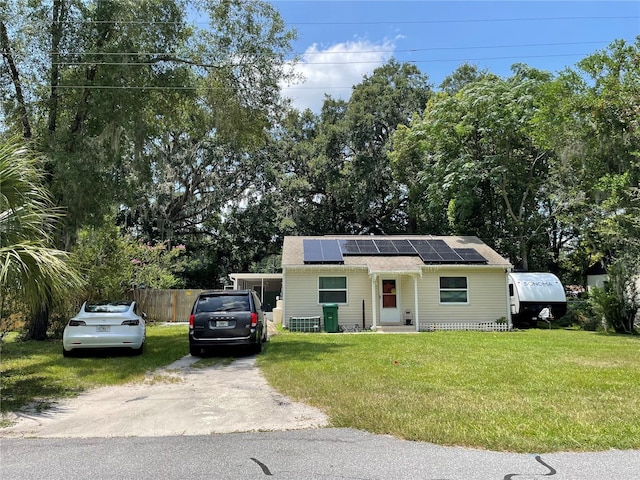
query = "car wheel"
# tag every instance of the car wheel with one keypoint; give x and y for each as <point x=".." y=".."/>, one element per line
<point x="67" y="353"/>
<point x="257" y="348"/>
<point x="138" y="351"/>
<point x="195" y="351"/>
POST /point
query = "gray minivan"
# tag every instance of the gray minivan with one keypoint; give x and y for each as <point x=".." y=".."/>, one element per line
<point x="226" y="318"/>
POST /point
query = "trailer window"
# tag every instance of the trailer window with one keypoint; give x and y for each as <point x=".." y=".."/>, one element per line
<point x="453" y="290"/>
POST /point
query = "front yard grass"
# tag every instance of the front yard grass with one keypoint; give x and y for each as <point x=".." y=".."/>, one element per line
<point x="32" y="374"/>
<point x="532" y="391"/>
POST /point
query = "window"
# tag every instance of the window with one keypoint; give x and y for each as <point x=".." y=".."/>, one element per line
<point x="223" y="303"/>
<point x="332" y="290"/>
<point x="453" y="290"/>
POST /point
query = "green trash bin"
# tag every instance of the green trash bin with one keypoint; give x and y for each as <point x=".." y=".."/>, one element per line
<point x="330" y="314"/>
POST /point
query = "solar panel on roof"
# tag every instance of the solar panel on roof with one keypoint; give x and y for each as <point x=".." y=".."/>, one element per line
<point x="312" y="251"/>
<point x="331" y="251"/>
<point x="349" y="247"/>
<point x="321" y="251"/>
<point x="418" y="243"/>
<point x="430" y="251"/>
<point x="367" y="247"/>
<point x="440" y="246"/>
<point x="404" y="247"/>
<point x="470" y="255"/>
<point x="385" y="247"/>
<point x="430" y="257"/>
<point x="450" y="256"/>
<point x="422" y="246"/>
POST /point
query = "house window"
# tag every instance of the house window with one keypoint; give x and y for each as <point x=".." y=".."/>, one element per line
<point x="453" y="290"/>
<point x="332" y="290"/>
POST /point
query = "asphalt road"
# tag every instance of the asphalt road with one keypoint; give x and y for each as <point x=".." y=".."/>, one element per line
<point x="178" y="424"/>
<point x="316" y="454"/>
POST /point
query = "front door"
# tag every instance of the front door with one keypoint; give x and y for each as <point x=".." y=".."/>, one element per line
<point x="389" y="304"/>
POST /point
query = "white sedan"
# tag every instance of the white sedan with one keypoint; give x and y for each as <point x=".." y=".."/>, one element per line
<point x="105" y="325"/>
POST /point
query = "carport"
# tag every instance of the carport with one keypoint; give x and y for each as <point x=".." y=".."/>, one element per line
<point x="268" y="286"/>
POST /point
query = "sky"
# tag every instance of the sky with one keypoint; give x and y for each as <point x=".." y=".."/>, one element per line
<point x="340" y="42"/>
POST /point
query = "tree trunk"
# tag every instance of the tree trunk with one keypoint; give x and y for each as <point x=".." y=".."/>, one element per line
<point x="56" y="37"/>
<point x="39" y="323"/>
<point x="15" y="78"/>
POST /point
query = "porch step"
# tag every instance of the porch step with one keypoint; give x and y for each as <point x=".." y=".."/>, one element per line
<point x="397" y="329"/>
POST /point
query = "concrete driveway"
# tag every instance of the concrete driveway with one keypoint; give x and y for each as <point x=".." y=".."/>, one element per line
<point x="177" y="400"/>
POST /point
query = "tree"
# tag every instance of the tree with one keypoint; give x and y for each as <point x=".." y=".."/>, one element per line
<point x="121" y="106"/>
<point x="332" y="171"/>
<point x="588" y="117"/>
<point x="462" y="76"/>
<point x="471" y="166"/>
<point x="618" y="303"/>
<point x="381" y="102"/>
<point x="30" y="269"/>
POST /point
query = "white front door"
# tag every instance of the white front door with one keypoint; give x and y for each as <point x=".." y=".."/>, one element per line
<point x="389" y="301"/>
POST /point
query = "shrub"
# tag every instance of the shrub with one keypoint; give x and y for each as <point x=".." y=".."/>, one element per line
<point x="580" y="314"/>
<point x="618" y="303"/>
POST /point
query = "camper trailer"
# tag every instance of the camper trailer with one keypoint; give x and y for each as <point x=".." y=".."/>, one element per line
<point x="535" y="296"/>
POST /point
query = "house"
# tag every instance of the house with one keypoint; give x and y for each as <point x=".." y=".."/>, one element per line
<point x="597" y="275"/>
<point x="413" y="283"/>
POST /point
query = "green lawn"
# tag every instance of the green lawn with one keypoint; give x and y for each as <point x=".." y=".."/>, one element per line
<point x="33" y="373"/>
<point x="532" y="391"/>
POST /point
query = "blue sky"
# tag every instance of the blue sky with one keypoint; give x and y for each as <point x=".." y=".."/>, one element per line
<point x="341" y="41"/>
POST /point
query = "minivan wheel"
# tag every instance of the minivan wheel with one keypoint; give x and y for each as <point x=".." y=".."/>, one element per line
<point x="195" y="351"/>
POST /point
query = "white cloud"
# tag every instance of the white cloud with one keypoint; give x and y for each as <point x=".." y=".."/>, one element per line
<point x="334" y="70"/>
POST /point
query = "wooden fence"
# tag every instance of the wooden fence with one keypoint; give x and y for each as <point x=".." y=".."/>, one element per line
<point x="166" y="305"/>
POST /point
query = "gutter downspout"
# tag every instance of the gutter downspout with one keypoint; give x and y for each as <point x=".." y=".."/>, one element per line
<point x="374" y="302"/>
<point x="509" y="320"/>
<point x="415" y="301"/>
<point x="283" y="297"/>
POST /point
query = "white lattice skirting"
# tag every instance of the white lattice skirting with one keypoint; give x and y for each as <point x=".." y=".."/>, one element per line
<point x="474" y="326"/>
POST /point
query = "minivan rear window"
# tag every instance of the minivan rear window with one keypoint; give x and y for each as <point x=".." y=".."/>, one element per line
<point x="223" y="303"/>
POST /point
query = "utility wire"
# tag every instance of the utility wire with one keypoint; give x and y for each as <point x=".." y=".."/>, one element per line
<point x="364" y="22"/>
<point x="408" y="50"/>
<point x="350" y="62"/>
<point x="294" y="87"/>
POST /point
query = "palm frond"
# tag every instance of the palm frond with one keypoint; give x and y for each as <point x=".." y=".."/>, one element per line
<point x="29" y="266"/>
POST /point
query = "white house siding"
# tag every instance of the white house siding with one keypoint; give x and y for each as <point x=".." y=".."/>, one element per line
<point x="487" y="296"/>
<point x="301" y="293"/>
<point x="407" y="299"/>
<point x="597" y="281"/>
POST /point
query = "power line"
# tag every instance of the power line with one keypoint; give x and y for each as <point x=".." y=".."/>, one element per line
<point x="488" y="20"/>
<point x="349" y="62"/>
<point x="408" y="50"/>
<point x="365" y="22"/>
<point x="294" y="87"/>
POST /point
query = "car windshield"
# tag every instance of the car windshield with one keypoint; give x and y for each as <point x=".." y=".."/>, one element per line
<point x="112" y="307"/>
<point x="223" y="303"/>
